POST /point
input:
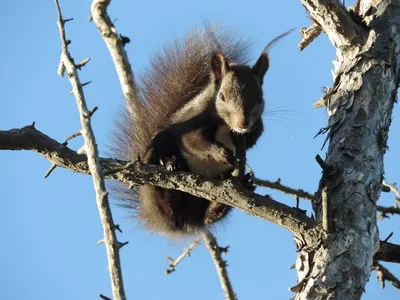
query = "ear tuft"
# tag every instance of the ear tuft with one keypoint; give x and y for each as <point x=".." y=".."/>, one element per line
<point x="261" y="66"/>
<point x="219" y="66"/>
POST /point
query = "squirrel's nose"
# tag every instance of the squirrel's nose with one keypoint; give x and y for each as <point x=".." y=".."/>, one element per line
<point x="242" y="123"/>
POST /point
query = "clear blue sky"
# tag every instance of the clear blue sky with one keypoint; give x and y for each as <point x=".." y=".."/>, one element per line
<point x="50" y="227"/>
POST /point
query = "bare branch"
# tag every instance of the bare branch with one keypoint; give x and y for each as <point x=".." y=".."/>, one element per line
<point x="29" y="138"/>
<point x="388" y="210"/>
<point x="336" y="21"/>
<point x="115" y="45"/>
<point x="228" y="192"/>
<point x="309" y="34"/>
<point x="186" y="252"/>
<point x="276" y="185"/>
<point x="220" y="264"/>
<point x="111" y="242"/>
<point x="383" y="274"/>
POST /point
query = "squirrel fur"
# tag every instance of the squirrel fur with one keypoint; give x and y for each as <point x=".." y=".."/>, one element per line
<point x="195" y="96"/>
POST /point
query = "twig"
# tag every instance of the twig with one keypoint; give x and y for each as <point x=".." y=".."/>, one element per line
<point x="111" y="242"/>
<point x="186" y="252"/>
<point x="276" y="185"/>
<point x="383" y="274"/>
<point x="220" y="264"/>
<point x="388" y="210"/>
<point x="393" y="188"/>
<point x="51" y="169"/>
<point x="76" y="134"/>
<point x="309" y="34"/>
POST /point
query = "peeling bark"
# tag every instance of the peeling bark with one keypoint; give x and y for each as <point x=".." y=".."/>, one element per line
<point x="360" y="104"/>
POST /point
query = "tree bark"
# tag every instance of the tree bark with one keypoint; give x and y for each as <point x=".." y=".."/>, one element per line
<point x="360" y="103"/>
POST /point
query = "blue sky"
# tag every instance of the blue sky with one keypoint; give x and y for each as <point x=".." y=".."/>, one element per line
<point x="50" y="227"/>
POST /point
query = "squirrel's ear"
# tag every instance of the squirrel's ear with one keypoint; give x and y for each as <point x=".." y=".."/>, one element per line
<point x="261" y="66"/>
<point x="219" y="66"/>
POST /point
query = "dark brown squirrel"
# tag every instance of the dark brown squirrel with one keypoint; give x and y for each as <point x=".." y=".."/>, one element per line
<point x="196" y="95"/>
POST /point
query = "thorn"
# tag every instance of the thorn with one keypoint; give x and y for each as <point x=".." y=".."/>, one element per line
<point x="82" y="63"/>
<point x="86" y="83"/>
<point x="124" y="39"/>
<point x="116" y="227"/>
<point x="67" y="20"/>
<point x="170" y="260"/>
<point x="32" y="126"/>
<point x="389" y="236"/>
<point x="324" y="166"/>
<point x="223" y="250"/>
<point x="122" y="244"/>
<point x="68" y="42"/>
<point x="51" y="169"/>
<point x="91" y="112"/>
<point x="100" y="242"/>
<point x="104" y="297"/>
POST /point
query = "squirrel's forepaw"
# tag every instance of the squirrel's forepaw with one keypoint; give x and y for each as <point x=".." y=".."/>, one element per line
<point x="248" y="181"/>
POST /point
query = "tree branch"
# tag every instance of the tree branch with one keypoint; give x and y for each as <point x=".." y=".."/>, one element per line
<point x="228" y="192"/>
<point x="309" y="34"/>
<point x="383" y="274"/>
<point x="336" y="21"/>
<point x="388" y="252"/>
<point x="115" y="45"/>
<point x="111" y="242"/>
<point x="220" y="264"/>
<point x="29" y="138"/>
<point x="388" y="210"/>
<point x="186" y="252"/>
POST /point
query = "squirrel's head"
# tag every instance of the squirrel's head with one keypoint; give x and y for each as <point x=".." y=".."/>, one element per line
<point x="239" y="96"/>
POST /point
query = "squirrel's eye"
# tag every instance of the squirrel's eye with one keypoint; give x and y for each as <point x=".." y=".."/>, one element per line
<point x="221" y="96"/>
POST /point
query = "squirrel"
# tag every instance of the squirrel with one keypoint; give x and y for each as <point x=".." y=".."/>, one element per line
<point x="197" y="94"/>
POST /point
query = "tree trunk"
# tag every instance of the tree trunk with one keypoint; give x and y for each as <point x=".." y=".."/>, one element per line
<point x="360" y="103"/>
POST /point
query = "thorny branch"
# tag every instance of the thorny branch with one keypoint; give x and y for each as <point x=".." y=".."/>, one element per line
<point x="228" y="192"/>
<point x="111" y="242"/>
<point x="220" y="264"/>
<point x="133" y="173"/>
<point x="383" y="274"/>
<point x="186" y="252"/>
